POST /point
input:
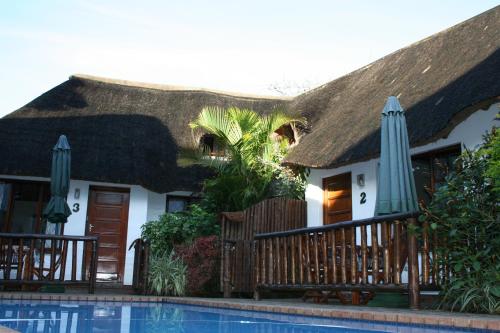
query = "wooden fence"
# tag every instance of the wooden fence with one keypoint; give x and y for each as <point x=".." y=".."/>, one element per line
<point x="37" y="259"/>
<point x="237" y="234"/>
<point x="366" y="255"/>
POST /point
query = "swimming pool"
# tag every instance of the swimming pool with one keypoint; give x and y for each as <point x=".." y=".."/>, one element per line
<point x="108" y="317"/>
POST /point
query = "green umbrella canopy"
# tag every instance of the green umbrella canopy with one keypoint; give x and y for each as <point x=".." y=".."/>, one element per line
<point x="57" y="210"/>
<point x="396" y="191"/>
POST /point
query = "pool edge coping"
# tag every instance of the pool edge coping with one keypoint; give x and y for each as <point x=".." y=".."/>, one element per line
<point x="401" y="316"/>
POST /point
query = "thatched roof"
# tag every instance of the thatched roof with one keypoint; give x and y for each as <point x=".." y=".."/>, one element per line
<point x="119" y="131"/>
<point x="131" y="133"/>
<point x="438" y="80"/>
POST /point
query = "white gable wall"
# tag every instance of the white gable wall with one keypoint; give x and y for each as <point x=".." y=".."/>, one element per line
<point x="469" y="133"/>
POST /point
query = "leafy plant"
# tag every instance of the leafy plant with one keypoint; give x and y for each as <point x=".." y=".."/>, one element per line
<point x="492" y="150"/>
<point x="464" y="214"/>
<point x="167" y="275"/>
<point x="253" y="155"/>
<point x="179" y="228"/>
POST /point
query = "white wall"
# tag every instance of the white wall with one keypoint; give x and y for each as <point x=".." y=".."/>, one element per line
<point x="144" y="206"/>
<point x="156" y="205"/>
<point x="469" y="133"/>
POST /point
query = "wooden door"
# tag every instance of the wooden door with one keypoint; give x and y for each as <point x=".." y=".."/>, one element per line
<point x="107" y="217"/>
<point x="337" y="200"/>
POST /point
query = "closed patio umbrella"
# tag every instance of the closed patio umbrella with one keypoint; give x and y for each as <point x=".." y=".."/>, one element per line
<point x="396" y="191"/>
<point x="57" y="210"/>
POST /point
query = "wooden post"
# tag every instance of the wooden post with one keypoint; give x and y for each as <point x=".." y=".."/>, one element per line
<point x="343" y="264"/>
<point x="256" y="260"/>
<point x="396" y="266"/>
<point x="413" y="285"/>
<point x="316" y="257"/>
<point x="301" y="259"/>
<point x="269" y="242"/>
<point x="385" y="246"/>
<point x="256" y="294"/>
<point x="20" y="259"/>
<point x="145" y="267"/>
<point x="334" y="256"/>
<point x="293" y="259"/>
<point x="64" y="254"/>
<point x="285" y="260"/>
<point x="73" y="259"/>
<point x="425" y="253"/>
<point x="263" y="256"/>
<point x="278" y="260"/>
<point x="364" y="256"/>
<point x="226" y="277"/>
<point x="354" y="257"/>
<point x="375" y="269"/>
<point x="93" y="267"/>
<point x="324" y="245"/>
<point x="308" y="260"/>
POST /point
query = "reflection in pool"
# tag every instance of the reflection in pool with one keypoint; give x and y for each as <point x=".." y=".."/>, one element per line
<point x="108" y="317"/>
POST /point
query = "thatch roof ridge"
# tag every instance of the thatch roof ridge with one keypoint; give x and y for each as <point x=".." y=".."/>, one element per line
<point x="425" y="39"/>
<point x="168" y="87"/>
<point x="118" y="133"/>
<point x="460" y="65"/>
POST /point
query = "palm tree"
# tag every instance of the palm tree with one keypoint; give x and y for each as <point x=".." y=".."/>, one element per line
<point x="253" y="152"/>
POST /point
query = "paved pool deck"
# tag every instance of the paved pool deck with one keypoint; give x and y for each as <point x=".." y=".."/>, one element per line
<point x="288" y="306"/>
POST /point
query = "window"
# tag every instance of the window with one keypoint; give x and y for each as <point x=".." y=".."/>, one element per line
<point x="179" y="203"/>
<point x="211" y="146"/>
<point x="176" y="204"/>
<point x="430" y="170"/>
<point x="286" y="131"/>
<point x="21" y="207"/>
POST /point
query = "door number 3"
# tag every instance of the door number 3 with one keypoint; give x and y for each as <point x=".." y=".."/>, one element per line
<point x="76" y="208"/>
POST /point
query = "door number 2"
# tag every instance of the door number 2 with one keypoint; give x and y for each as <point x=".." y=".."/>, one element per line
<point x="363" y="198"/>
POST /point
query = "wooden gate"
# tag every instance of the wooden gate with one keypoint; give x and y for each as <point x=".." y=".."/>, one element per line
<point x="238" y="231"/>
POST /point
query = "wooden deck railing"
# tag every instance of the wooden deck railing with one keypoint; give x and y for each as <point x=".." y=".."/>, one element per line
<point x="37" y="259"/>
<point x="363" y="255"/>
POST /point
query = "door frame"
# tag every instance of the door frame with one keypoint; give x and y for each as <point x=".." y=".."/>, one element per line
<point x="124" y="240"/>
<point x="325" y="193"/>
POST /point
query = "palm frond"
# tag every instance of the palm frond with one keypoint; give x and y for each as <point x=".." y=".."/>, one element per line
<point x="215" y="121"/>
<point x="245" y="118"/>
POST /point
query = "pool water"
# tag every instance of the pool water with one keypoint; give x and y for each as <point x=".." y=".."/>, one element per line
<point x="108" y="317"/>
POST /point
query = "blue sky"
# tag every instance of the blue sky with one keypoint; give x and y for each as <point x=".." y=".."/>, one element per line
<point x="244" y="46"/>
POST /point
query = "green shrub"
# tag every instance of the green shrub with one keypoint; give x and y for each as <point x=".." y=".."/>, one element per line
<point x="167" y="275"/>
<point x="179" y="228"/>
<point x="464" y="213"/>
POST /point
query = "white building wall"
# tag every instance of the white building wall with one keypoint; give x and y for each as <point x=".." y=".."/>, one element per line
<point x="156" y="205"/>
<point x="144" y="206"/>
<point x="469" y="133"/>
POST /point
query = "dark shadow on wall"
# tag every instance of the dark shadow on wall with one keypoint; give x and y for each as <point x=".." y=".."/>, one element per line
<point x="127" y="149"/>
